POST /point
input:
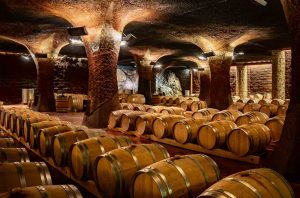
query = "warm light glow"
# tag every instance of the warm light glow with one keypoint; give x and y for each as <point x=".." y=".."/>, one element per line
<point x="26" y="57"/>
<point x="195" y="70"/>
<point x="158" y="65"/>
<point x="202" y="57"/>
<point x="123" y="43"/>
<point x="76" y="41"/>
<point x="241" y="53"/>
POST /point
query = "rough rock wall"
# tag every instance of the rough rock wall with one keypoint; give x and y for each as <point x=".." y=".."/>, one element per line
<point x="233" y="80"/>
<point x="288" y="73"/>
<point x="168" y="84"/>
<point x="184" y="77"/>
<point x="127" y="79"/>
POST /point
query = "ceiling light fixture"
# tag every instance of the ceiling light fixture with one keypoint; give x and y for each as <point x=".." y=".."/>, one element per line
<point x="260" y="2"/>
<point x="126" y="38"/>
<point x="123" y="43"/>
<point x="76" y="41"/>
<point x="77" y="31"/>
<point x="26" y="57"/>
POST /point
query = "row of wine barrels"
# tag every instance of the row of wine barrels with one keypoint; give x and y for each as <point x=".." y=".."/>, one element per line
<point x="13" y="155"/>
<point x="248" y="139"/>
<point x="214" y="134"/>
<point x="252" y="117"/>
<point x="63" y="141"/>
<point x="36" y="128"/>
<point x="7" y="143"/>
<point x="46" y="191"/>
<point x="179" y="176"/>
<point x="237" y="106"/>
<point x="20" y="119"/>
<point x="186" y="130"/>
<point x="264" y="101"/>
<point x="83" y="153"/>
<point x="128" y="120"/>
<point x="155" y="109"/>
<point x="132" y="98"/>
<point x="114" y="119"/>
<point x="63" y="104"/>
<point x="45" y="137"/>
<point x="172" y="110"/>
<point x="12" y="120"/>
<point x="253" y="183"/>
<point x="204" y="114"/>
<point x="163" y="125"/>
<point x="23" y="174"/>
<point x="141" y="107"/>
<point x="144" y="122"/>
<point x="8" y="115"/>
<point x="248" y="100"/>
<point x="115" y="169"/>
<point x="230" y="115"/>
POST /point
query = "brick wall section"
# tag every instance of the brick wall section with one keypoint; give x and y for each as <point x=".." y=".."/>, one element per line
<point x="260" y="79"/>
<point x="288" y="73"/>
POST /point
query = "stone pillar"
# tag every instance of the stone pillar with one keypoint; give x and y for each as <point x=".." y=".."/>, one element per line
<point x="145" y="77"/>
<point x="45" y="82"/>
<point x="242" y="81"/>
<point x="278" y="74"/>
<point x="286" y="159"/>
<point x="102" y="50"/>
<point x="220" y="93"/>
<point x="205" y="85"/>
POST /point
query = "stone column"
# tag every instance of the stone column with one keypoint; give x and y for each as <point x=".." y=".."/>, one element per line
<point x="278" y="74"/>
<point x="102" y="50"/>
<point x="286" y="159"/>
<point x="242" y="81"/>
<point x="220" y="93"/>
<point x="45" y="81"/>
<point x="205" y="85"/>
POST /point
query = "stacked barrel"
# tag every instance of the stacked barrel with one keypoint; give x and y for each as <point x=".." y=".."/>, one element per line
<point x="71" y="102"/>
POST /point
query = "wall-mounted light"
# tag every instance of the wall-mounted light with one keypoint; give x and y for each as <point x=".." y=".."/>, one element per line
<point x="126" y="38"/>
<point x="123" y="43"/>
<point x="204" y="56"/>
<point x="26" y="57"/>
<point x="77" y="31"/>
<point x="240" y="53"/>
<point x="158" y="65"/>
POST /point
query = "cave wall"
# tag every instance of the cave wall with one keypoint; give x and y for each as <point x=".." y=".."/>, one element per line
<point x="127" y="79"/>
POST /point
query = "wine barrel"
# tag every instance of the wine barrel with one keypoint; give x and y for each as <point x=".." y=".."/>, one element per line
<point x="23" y="174"/>
<point x="214" y="134"/>
<point x="252" y="117"/>
<point x="251" y="107"/>
<point x="37" y="127"/>
<point x="13" y="155"/>
<point x="179" y="176"/>
<point x="14" y="117"/>
<point x="127" y="106"/>
<point x="264" y="102"/>
<point x="48" y="191"/>
<point x="45" y="137"/>
<point x="277" y="102"/>
<point x="143" y="123"/>
<point x="63" y="104"/>
<point x="206" y="114"/>
<point x="3" y="134"/>
<point x="141" y="107"/>
<point x="136" y="98"/>
<point x="128" y="120"/>
<point x="197" y="105"/>
<point x="186" y="130"/>
<point x="83" y="153"/>
<point x="20" y="122"/>
<point x="164" y="99"/>
<point x="163" y="126"/>
<point x="253" y="183"/>
<point x="253" y="100"/>
<point x="275" y="125"/>
<point x="249" y="139"/>
<point x="170" y="101"/>
<point x="155" y="109"/>
<point x="244" y="100"/>
<point x="77" y="101"/>
<point x="63" y="141"/>
<point x="185" y="105"/>
<point x="9" y="116"/>
<point x="114" y="119"/>
<point x="172" y="110"/>
<point x="237" y="106"/>
<point x="115" y="169"/>
<point x="230" y="115"/>
<point x="269" y="109"/>
<point x="281" y="111"/>
<point x="7" y="143"/>
<point x="32" y="120"/>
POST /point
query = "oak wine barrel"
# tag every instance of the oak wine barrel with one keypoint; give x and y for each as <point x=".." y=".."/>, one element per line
<point x="115" y="118"/>
<point x="45" y="137"/>
<point x="63" y="104"/>
<point x="179" y="176"/>
<point x="128" y="120"/>
<point x="275" y="125"/>
<point x="7" y="143"/>
<point x="141" y="107"/>
<point x="281" y="111"/>
<point x="115" y="169"/>
<point x="264" y="101"/>
<point x="251" y="107"/>
<point x="155" y="109"/>
<point x="277" y="102"/>
<point x="14" y="118"/>
<point x="197" y="105"/>
<point x="214" y="134"/>
<point x="186" y="130"/>
<point x="20" y="122"/>
<point x="230" y="115"/>
<point x="144" y="122"/>
<point x="249" y="139"/>
<point x="263" y="183"/>
<point x="237" y="106"/>
<point x="13" y="155"/>
<point x="163" y="125"/>
<point x="47" y="191"/>
<point x="29" y="121"/>
<point x="206" y="114"/>
<point x="269" y="109"/>
<point x="172" y="110"/>
<point x="136" y="98"/>
<point x="127" y="106"/>
<point x="252" y="117"/>
<point x="23" y="174"/>
<point x="83" y="153"/>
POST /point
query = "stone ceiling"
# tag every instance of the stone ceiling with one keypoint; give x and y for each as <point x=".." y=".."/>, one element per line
<point x="173" y="27"/>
